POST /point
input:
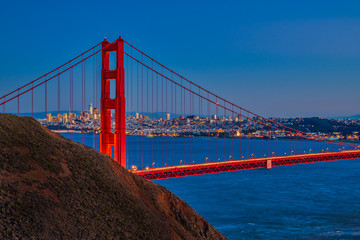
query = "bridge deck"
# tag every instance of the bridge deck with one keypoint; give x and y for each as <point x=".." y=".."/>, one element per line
<point x="236" y="165"/>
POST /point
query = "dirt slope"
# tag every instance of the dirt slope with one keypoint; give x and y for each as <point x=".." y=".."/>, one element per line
<point x="52" y="188"/>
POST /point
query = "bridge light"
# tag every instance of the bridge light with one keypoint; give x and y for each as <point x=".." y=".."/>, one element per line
<point x="147" y="168"/>
<point x="206" y="159"/>
<point x="180" y="161"/>
<point x="153" y="164"/>
<point x="229" y="157"/>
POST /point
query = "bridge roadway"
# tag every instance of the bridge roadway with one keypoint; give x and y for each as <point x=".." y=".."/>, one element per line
<point x="236" y="165"/>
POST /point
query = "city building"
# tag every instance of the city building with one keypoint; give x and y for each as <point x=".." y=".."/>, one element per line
<point x="48" y="117"/>
<point x="91" y="109"/>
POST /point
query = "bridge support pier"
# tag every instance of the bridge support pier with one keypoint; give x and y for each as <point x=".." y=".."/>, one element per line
<point x="268" y="164"/>
<point x="107" y="137"/>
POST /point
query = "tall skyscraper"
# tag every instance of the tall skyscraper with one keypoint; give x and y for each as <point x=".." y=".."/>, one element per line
<point x="91" y="109"/>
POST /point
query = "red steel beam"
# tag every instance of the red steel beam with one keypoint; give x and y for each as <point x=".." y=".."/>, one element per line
<point x="236" y="165"/>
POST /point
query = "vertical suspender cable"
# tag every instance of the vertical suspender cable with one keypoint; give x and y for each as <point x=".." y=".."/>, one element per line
<point x="45" y="102"/>
<point x="32" y="100"/>
<point x="58" y="78"/>
<point x="18" y="103"/>
<point x="225" y="129"/>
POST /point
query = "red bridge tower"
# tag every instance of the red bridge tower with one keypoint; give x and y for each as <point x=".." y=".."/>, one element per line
<point x="107" y="138"/>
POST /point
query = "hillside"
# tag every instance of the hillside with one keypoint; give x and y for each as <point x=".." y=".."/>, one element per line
<point x="316" y="124"/>
<point x="52" y="188"/>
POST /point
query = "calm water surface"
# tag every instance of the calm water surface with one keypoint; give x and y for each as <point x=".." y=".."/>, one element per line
<point x="310" y="201"/>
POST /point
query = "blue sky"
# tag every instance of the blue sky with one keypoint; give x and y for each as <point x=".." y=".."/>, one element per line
<point x="276" y="58"/>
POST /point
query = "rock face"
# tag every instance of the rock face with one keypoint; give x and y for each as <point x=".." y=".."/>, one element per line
<point x="52" y="188"/>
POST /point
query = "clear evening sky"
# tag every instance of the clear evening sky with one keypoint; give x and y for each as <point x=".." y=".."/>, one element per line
<point x="276" y="58"/>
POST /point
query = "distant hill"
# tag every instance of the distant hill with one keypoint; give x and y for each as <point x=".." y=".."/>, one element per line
<point x="323" y="125"/>
<point x="52" y="188"/>
<point x="355" y="116"/>
<point x="352" y="117"/>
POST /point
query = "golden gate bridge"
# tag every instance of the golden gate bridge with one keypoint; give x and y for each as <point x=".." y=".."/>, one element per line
<point x="123" y="81"/>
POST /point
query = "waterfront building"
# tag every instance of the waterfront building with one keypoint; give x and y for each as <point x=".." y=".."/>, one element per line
<point x="48" y="117"/>
<point x="65" y="118"/>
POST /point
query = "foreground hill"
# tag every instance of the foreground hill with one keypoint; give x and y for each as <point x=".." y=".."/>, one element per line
<point x="52" y="188"/>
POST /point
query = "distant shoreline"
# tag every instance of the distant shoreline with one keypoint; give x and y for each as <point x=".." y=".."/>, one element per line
<point x="243" y="137"/>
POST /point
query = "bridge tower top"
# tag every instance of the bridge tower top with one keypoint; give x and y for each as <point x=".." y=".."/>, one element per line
<point x="107" y="137"/>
